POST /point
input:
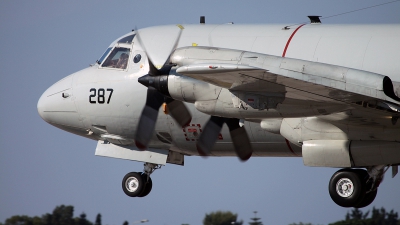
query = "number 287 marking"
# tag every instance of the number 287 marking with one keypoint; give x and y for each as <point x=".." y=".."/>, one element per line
<point x="101" y="95"/>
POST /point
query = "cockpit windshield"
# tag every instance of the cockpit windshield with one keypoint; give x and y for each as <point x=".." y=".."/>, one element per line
<point x="118" y="58"/>
<point x="104" y="55"/>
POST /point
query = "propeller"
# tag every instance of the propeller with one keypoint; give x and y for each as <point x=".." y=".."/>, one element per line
<point x="157" y="93"/>
<point x="156" y="82"/>
<point x="239" y="137"/>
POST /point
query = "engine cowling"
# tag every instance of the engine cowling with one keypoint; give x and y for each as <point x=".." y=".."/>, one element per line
<point x="187" y="89"/>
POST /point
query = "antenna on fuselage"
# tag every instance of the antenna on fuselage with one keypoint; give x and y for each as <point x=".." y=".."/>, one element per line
<point x="202" y="20"/>
<point x="314" y="19"/>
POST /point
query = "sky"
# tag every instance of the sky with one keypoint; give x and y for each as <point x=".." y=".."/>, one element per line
<point x="42" y="167"/>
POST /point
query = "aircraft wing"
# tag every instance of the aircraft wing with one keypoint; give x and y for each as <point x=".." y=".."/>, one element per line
<point x="300" y="80"/>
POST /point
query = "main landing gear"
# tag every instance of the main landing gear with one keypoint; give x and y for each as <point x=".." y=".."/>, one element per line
<point x="356" y="187"/>
<point x="138" y="184"/>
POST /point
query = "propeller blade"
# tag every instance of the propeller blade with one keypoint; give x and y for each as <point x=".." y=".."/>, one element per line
<point x="139" y="40"/>
<point x="179" y="37"/>
<point x="178" y="111"/>
<point x="148" y="118"/>
<point x="157" y="82"/>
<point x="209" y="135"/>
<point x="150" y="42"/>
<point x="240" y="139"/>
<point x="153" y="71"/>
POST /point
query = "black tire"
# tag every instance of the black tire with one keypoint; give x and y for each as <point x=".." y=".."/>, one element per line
<point x="132" y="184"/>
<point x="370" y="196"/>
<point x="363" y="174"/>
<point x="148" y="185"/>
<point x="354" y="181"/>
<point x="368" y="199"/>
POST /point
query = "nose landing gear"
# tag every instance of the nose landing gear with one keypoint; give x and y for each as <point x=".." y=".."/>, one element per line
<point x="137" y="184"/>
<point x="355" y="187"/>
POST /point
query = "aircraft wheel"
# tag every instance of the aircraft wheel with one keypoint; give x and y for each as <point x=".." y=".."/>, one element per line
<point x="347" y="188"/>
<point x="368" y="199"/>
<point x="370" y="196"/>
<point x="148" y="185"/>
<point x="132" y="184"/>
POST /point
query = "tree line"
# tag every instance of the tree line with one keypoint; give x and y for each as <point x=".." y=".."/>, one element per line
<point x="61" y="215"/>
<point x="373" y="217"/>
<point x="354" y="217"/>
<point x="64" y="215"/>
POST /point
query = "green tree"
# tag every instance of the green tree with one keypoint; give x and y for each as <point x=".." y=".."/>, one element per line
<point x="47" y="218"/>
<point x="378" y="217"/>
<point x="255" y="220"/>
<point x="221" y="218"/>
<point x="82" y="220"/>
<point x="98" y="219"/>
<point x="63" y="215"/>
<point x="37" y="221"/>
<point x="23" y="220"/>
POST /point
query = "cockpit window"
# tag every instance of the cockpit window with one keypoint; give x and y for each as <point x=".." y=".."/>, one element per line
<point x="103" y="56"/>
<point x="127" y="40"/>
<point x="117" y="59"/>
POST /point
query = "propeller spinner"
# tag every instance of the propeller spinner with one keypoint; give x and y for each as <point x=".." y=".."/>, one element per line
<point x="157" y="93"/>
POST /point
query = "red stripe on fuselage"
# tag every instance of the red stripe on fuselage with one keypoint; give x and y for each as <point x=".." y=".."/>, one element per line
<point x="290" y="147"/>
<point x="288" y="42"/>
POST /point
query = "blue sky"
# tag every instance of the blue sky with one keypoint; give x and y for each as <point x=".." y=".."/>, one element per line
<point x="42" y="167"/>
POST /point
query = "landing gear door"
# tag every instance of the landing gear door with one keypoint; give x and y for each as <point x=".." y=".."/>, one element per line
<point x="155" y="156"/>
<point x="176" y="158"/>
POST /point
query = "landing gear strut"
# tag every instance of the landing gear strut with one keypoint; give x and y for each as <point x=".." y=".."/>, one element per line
<point x="138" y="184"/>
<point x="355" y="187"/>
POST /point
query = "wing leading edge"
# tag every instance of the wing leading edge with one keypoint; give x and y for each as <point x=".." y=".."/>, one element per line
<point x="237" y="69"/>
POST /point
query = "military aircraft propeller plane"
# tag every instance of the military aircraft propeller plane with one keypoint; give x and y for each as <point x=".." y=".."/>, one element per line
<point x="327" y="93"/>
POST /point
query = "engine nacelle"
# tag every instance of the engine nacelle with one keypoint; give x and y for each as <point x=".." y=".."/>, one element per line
<point x="329" y="144"/>
<point x="181" y="88"/>
<point x="187" y="89"/>
<point x="214" y="100"/>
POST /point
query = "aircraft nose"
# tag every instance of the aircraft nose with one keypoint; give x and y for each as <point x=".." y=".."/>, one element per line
<point x="41" y="106"/>
<point x="57" y="101"/>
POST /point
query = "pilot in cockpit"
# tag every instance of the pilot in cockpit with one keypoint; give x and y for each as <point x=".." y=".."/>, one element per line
<point x="117" y="59"/>
<point x="122" y="61"/>
<point x="119" y="56"/>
